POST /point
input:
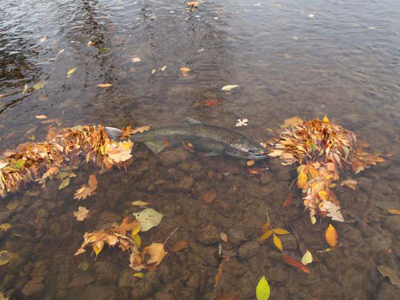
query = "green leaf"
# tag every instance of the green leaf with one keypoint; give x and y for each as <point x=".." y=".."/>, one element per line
<point x="103" y="50"/>
<point x="262" y="289"/>
<point x="19" y="163"/>
<point x="38" y="85"/>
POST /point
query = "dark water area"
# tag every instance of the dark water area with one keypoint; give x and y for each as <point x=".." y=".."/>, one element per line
<point x="289" y="58"/>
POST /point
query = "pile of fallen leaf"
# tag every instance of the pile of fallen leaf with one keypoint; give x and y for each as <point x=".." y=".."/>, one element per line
<point x="126" y="236"/>
<point x="66" y="149"/>
<point x="322" y="149"/>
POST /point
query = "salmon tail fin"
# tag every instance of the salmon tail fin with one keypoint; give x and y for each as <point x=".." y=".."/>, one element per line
<point x="155" y="147"/>
<point x="113" y="133"/>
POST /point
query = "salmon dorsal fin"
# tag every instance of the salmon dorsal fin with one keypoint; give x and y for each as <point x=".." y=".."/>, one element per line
<point x="113" y="133"/>
<point x="191" y="121"/>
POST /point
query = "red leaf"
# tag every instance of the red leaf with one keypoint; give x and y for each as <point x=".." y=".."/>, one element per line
<point x="211" y="102"/>
<point x="288" y="200"/>
<point x="291" y="261"/>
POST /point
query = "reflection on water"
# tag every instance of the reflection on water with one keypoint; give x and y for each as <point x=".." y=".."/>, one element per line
<point x="304" y="58"/>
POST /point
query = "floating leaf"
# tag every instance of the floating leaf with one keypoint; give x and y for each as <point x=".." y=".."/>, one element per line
<point x="156" y="252"/>
<point x="64" y="183"/>
<point x="82" y="213"/>
<point x="185" y="71"/>
<point x="41" y="117"/>
<point x="280" y="231"/>
<point x="148" y="219"/>
<point x="38" y="85"/>
<point x="265" y="235"/>
<point x="5" y="226"/>
<point x="104" y="85"/>
<point x="19" y="163"/>
<point x="69" y="73"/>
<point x="325" y="119"/>
<point x="241" y="123"/>
<point x="265" y="226"/>
<point x="333" y="211"/>
<point x="263" y="290"/>
<point x="228" y="88"/>
<point x="278" y="243"/>
<point x="291" y="122"/>
<point x="307" y="258"/>
<point x="331" y="236"/>
<point x="83" y="192"/>
<point x="139" y="203"/>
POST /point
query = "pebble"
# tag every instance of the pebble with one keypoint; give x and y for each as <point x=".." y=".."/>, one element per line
<point x="208" y="234"/>
<point x="249" y="249"/>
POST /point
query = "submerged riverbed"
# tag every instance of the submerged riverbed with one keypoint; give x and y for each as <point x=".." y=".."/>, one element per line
<point x="118" y="63"/>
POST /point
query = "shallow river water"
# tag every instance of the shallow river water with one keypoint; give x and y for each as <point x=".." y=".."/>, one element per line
<point x="289" y="58"/>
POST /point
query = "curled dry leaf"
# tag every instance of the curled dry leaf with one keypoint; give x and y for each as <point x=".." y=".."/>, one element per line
<point x="331" y="236"/>
<point x="156" y="252"/>
<point x="82" y="213"/>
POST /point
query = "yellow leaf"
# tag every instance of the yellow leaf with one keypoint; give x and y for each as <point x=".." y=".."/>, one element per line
<point x="302" y="180"/>
<point x="185" y="71"/>
<point x="280" y="231"/>
<point x="136" y="59"/>
<point x="104" y="85"/>
<point x="263" y="290"/>
<point x="38" y="85"/>
<point x="394" y="211"/>
<point x="139" y="203"/>
<point x="265" y="235"/>
<point x="41" y="117"/>
<point x="43" y="39"/>
<point x="5" y="227"/>
<point x="230" y="87"/>
<point x="135" y="230"/>
<point x="325" y="119"/>
<point x="278" y="243"/>
<point x="64" y="183"/>
<point x="138" y="275"/>
<point x="163" y="68"/>
<point x="331" y="236"/>
<point x="265" y="226"/>
<point x="137" y="240"/>
<point x="98" y="246"/>
<point x="323" y="195"/>
<point x="307" y="258"/>
<point x="71" y="71"/>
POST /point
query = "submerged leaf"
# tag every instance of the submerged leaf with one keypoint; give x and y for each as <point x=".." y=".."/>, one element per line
<point x="263" y="290"/>
<point x="104" y="85"/>
<point x="38" y="85"/>
<point x="391" y="274"/>
<point x="156" y="252"/>
<point x="69" y="73"/>
<point x="83" y="192"/>
<point x="291" y="261"/>
<point x="265" y="235"/>
<point x="182" y="244"/>
<point x="64" y="183"/>
<point x="394" y="211"/>
<point x="5" y="226"/>
<point x="281" y="231"/>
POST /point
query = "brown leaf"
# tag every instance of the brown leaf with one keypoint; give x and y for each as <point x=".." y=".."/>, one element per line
<point x="209" y="197"/>
<point x="126" y="225"/>
<point x="83" y="192"/>
<point x="224" y="237"/>
<point x="82" y="213"/>
<point x="93" y="182"/>
<point x="391" y="274"/>
<point x="156" y="252"/>
<point x="349" y="183"/>
<point x="331" y="236"/>
<point x="182" y="244"/>
<point x="291" y="122"/>
<point x="394" y="211"/>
